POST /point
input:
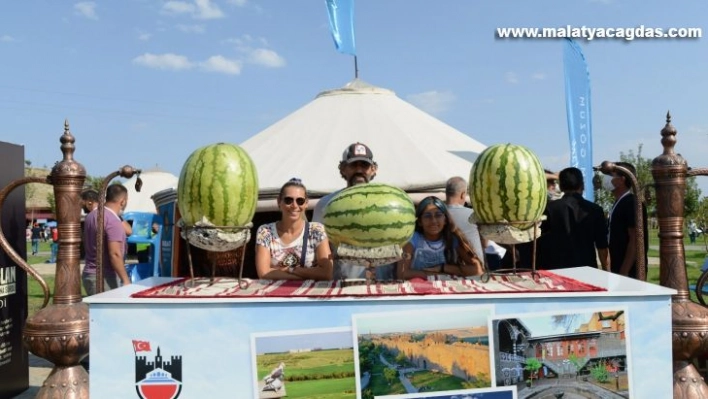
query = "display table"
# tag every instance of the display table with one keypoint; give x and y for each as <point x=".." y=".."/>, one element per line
<point x="211" y="347"/>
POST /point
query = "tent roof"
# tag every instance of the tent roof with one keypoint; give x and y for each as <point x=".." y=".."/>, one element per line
<point x="414" y="151"/>
<point x="153" y="181"/>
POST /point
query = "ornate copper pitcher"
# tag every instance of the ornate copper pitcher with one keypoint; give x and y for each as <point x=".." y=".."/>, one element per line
<point x="60" y="332"/>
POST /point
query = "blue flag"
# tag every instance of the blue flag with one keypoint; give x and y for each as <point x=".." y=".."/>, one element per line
<point x="577" y="106"/>
<point x="341" y="24"/>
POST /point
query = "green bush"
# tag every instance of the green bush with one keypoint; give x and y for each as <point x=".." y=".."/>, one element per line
<point x="600" y="373"/>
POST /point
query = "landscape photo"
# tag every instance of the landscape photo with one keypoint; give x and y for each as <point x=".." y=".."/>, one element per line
<point x="481" y="393"/>
<point x="431" y="350"/>
<point x="579" y="354"/>
<point x="313" y="364"/>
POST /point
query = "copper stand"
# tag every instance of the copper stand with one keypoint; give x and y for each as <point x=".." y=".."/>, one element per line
<point x="60" y="331"/>
<point x="242" y="283"/>
<point x="689" y="319"/>
<point x="486" y="276"/>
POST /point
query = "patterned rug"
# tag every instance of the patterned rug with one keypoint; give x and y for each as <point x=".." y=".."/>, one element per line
<point x="223" y="287"/>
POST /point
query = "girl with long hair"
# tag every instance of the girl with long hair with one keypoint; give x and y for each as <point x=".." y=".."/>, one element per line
<point x="437" y="245"/>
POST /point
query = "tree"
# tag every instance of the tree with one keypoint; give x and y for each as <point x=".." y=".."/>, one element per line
<point x="390" y="375"/>
<point x="532" y="366"/>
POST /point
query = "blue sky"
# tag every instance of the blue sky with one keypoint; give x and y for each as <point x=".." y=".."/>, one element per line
<point x="146" y="82"/>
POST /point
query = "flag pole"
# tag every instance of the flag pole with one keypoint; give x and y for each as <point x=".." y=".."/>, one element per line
<point x="356" y="69"/>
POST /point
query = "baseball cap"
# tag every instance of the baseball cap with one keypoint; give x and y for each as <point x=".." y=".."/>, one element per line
<point x="357" y="152"/>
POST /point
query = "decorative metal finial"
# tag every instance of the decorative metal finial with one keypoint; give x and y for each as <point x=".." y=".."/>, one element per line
<point x="668" y="135"/>
<point x="67" y="142"/>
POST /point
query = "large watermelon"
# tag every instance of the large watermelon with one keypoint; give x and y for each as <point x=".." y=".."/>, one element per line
<point x="370" y="215"/>
<point x="507" y="183"/>
<point x="218" y="185"/>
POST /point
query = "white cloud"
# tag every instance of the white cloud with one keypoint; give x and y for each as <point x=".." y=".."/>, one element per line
<point x="256" y="55"/>
<point x="200" y="9"/>
<point x="221" y="64"/>
<point x="538" y="76"/>
<point x="86" y="9"/>
<point x="266" y="57"/>
<point x="434" y="102"/>
<point x="7" y="39"/>
<point x="178" y="7"/>
<point x="167" y="61"/>
<point x="144" y="36"/>
<point x="238" y="3"/>
<point x="207" y="10"/>
<point x="192" y="28"/>
<point x="511" y="77"/>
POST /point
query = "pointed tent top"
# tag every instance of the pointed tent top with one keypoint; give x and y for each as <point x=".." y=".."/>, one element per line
<point x="414" y="150"/>
<point x="356" y="86"/>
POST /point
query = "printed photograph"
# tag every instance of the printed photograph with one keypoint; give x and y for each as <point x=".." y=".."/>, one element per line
<point x="483" y="393"/>
<point x="579" y="354"/>
<point x="304" y="364"/>
<point x="431" y="350"/>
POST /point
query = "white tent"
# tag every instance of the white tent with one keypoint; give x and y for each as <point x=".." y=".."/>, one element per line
<point x="154" y="180"/>
<point x="414" y="151"/>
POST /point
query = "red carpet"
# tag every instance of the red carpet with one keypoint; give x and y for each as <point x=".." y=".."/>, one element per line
<point x="224" y="287"/>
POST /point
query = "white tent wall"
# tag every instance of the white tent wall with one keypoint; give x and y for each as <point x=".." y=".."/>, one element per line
<point x="414" y="151"/>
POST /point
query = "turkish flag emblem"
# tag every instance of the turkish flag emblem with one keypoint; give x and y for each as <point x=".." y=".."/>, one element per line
<point x="141" y="346"/>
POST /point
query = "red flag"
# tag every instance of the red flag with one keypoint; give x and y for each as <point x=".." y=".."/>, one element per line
<point x="141" y="346"/>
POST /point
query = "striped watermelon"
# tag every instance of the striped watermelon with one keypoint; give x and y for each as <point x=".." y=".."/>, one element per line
<point x="370" y="215"/>
<point x="507" y="183"/>
<point x="218" y="185"/>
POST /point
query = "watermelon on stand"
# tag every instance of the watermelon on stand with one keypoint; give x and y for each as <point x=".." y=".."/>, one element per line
<point x="217" y="194"/>
<point x="507" y="189"/>
<point x="370" y="222"/>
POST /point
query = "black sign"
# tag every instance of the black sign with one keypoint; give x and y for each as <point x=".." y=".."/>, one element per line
<point x="14" y="361"/>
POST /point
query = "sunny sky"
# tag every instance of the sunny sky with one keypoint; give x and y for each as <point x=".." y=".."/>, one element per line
<point x="145" y="82"/>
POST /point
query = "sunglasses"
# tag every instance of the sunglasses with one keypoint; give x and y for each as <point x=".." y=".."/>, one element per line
<point x="432" y="215"/>
<point x="300" y="201"/>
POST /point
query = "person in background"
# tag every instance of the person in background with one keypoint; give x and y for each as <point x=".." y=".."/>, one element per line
<point x="356" y="167"/>
<point x="437" y="245"/>
<point x="114" y="242"/>
<point x="622" y="225"/>
<point x="692" y="231"/>
<point x="46" y="233"/>
<point x="293" y="248"/>
<point x="54" y="233"/>
<point x="574" y="228"/>
<point x="89" y="202"/>
<point x="554" y="191"/>
<point x="36" y="236"/>
<point x="455" y="199"/>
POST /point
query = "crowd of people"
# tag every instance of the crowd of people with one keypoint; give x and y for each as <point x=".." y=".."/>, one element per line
<point x="576" y="232"/>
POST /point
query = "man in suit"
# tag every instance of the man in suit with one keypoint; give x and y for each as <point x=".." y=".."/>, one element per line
<point x="575" y="232"/>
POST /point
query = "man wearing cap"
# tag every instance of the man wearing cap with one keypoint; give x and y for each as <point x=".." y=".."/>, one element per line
<point x="356" y="167"/>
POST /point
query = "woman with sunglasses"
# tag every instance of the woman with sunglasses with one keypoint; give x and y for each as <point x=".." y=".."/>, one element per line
<point x="437" y="246"/>
<point x="293" y="248"/>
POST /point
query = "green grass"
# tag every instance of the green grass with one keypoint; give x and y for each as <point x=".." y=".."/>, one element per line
<point x="35" y="294"/>
<point x="344" y="388"/>
<point x="437" y="381"/>
<point x="318" y="366"/>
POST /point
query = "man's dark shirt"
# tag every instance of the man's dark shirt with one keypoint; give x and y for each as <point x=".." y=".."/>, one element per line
<point x="621" y="219"/>
<point x="573" y="229"/>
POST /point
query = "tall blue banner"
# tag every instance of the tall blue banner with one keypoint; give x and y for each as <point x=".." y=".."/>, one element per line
<point x="341" y="24"/>
<point x="577" y="106"/>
